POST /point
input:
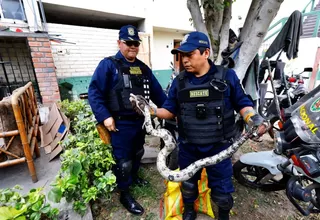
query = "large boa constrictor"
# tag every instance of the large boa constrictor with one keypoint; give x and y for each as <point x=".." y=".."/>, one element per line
<point x="170" y="144"/>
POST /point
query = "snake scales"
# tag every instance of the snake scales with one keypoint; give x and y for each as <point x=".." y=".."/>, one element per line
<point x="170" y="144"/>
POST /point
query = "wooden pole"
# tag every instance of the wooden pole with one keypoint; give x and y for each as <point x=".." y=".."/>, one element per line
<point x="12" y="162"/>
<point x="22" y="130"/>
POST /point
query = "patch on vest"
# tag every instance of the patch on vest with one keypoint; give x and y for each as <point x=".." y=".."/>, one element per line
<point x="199" y="93"/>
<point x="135" y="70"/>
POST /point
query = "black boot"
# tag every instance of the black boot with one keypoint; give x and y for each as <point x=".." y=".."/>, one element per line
<point x="189" y="212"/>
<point x="223" y="214"/>
<point x="140" y="182"/>
<point x="130" y="203"/>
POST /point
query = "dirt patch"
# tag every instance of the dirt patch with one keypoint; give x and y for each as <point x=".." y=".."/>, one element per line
<point x="249" y="204"/>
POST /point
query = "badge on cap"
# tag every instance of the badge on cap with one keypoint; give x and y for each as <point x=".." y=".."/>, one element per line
<point x="185" y="38"/>
<point x="131" y="31"/>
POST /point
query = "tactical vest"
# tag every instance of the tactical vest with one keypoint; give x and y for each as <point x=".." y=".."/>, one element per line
<point x="203" y="118"/>
<point x="131" y="79"/>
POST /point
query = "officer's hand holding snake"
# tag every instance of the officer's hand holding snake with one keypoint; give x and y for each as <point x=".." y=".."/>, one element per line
<point x="256" y="123"/>
<point x="142" y="107"/>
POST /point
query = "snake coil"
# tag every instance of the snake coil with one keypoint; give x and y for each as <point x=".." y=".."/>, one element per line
<point x="170" y="144"/>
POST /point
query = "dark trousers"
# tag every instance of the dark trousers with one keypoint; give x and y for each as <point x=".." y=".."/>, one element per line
<point x="219" y="175"/>
<point x="127" y="145"/>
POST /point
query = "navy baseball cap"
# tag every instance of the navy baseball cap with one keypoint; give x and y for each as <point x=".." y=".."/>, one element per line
<point x="129" y="33"/>
<point x="191" y="42"/>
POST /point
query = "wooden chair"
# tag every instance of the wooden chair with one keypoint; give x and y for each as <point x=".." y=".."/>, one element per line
<point x="20" y="129"/>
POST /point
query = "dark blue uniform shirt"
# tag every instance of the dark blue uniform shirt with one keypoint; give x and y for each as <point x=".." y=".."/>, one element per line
<point x="235" y="96"/>
<point x="105" y="78"/>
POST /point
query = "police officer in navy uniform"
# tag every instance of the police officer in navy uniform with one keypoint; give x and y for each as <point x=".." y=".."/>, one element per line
<point x="111" y="84"/>
<point x="204" y="98"/>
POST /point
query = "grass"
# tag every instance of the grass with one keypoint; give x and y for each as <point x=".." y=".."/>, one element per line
<point x="249" y="204"/>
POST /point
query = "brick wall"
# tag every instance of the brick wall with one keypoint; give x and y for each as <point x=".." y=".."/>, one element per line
<point x="83" y="49"/>
<point x="18" y="66"/>
<point x="45" y="69"/>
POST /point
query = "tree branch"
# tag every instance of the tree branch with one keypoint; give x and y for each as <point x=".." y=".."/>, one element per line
<point x="257" y="28"/>
<point x="252" y="13"/>
<point x="198" y="23"/>
<point x="224" y="32"/>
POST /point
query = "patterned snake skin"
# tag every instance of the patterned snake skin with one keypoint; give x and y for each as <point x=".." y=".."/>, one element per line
<point x="170" y="144"/>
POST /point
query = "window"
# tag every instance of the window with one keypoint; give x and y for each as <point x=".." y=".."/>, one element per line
<point x="12" y="9"/>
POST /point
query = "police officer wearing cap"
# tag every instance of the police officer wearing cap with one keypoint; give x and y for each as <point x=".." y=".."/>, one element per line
<point x="109" y="91"/>
<point x="204" y="98"/>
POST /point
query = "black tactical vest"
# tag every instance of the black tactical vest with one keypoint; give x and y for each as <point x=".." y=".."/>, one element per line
<point x="203" y="118"/>
<point x="131" y="79"/>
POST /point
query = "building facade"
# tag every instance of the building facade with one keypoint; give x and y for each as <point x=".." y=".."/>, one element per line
<point x="57" y="43"/>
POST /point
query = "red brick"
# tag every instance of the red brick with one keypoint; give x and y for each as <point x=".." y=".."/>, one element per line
<point x="42" y="89"/>
<point x="46" y="98"/>
<point x="48" y="70"/>
<point x="50" y="65"/>
<point x="46" y="93"/>
<point x="46" y="44"/>
<point x="39" y="65"/>
<point x="48" y="54"/>
<point x="52" y="79"/>
<point x="47" y="60"/>
<point x="34" y="49"/>
<point x="36" y="54"/>
<point x="38" y="70"/>
<point x="31" y="39"/>
<point x="52" y="74"/>
<point x="42" y="39"/>
<point x="45" y="84"/>
<point x="35" y="60"/>
<point x="35" y="44"/>
<point x="55" y="97"/>
<point x="54" y="85"/>
<point x="41" y="75"/>
<point x="45" y="49"/>
<point x="41" y="79"/>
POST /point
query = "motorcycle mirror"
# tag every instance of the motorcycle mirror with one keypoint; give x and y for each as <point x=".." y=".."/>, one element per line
<point x="308" y="69"/>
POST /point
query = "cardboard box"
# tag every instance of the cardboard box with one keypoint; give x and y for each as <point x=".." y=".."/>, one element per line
<point x="54" y="131"/>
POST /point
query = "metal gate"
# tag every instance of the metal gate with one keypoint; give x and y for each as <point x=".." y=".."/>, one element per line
<point x="16" y="67"/>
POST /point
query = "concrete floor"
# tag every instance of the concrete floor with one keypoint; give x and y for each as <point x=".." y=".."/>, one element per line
<point x="46" y="172"/>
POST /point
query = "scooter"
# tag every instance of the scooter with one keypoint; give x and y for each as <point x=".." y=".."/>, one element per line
<point x="294" y="164"/>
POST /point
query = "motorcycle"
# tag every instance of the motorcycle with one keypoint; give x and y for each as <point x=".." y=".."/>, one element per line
<point x="289" y="91"/>
<point x="294" y="164"/>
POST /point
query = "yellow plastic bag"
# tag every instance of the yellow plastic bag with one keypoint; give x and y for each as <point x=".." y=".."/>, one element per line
<point x="173" y="203"/>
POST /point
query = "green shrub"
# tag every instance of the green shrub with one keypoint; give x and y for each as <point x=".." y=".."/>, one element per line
<point x="86" y="163"/>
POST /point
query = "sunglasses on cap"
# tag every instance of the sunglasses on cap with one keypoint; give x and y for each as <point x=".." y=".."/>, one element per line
<point x="131" y="43"/>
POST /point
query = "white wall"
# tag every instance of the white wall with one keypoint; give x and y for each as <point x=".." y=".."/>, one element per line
<point x="162" y="46"/>
<point x="172" y="14"/>
<point x="306" y="56"/>
<point x="91" y="45"/>
<point x="135" y="8"/>
<point x="241" y="7"/>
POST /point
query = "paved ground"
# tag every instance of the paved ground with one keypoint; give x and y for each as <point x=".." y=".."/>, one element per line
<point x="46" y="172"/>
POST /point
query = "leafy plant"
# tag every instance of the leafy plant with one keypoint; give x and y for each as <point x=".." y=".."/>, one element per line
<point x="86" y="163"/>
<point x="32" y="206"/>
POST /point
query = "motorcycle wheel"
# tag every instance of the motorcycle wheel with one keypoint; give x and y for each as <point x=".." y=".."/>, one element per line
<point x="249" y="176"/>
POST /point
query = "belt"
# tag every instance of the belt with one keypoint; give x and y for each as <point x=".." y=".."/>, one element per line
<point x="128" y="117"/>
